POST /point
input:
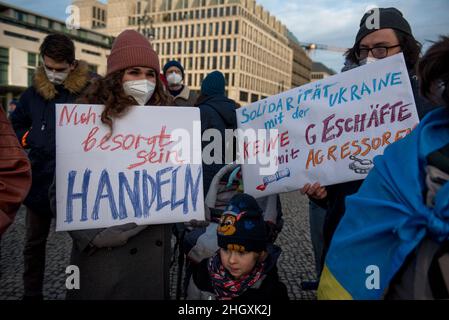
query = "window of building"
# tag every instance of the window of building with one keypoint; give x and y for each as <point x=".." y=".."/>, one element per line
<point x="228" y="11"/>
<point x="92" y="68"/>
<point x="204" y="30"/>
<point x="217" y="26"/>
<point x="223" y="28"/>
<point x="175" y="31"/>
<point x="192" y="30"/>
<point x="254" y="97"/>
<point x="31" y="66"/>
<point x="168" y="51"/>
<point x="234" y="10"/>
<point x="228" y="45"/>
<point x="214" y="63"/>
<point x="190" y="47"/>
<point x="179" y="47"/>
<point x="209" y="13"/>
<point x="202" y="64"/>
<point x="243" y="96"/>
<point x="216" y="45"/>
<point x="203" y="46"/>
<point x="221" y="12"/>
<point x="236" y="29"/>
<point x="227" y="62"/>
<point x="215" y="12"/>
<point x="211" y="29"/>
<point x="4" y="64"/>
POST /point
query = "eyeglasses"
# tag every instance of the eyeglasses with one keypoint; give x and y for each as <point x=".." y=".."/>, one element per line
<point x="377" y="52"/>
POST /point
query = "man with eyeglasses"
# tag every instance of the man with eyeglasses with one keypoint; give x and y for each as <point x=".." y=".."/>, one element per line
<point x="60" y="79"/>
<point x="393" y="35"/>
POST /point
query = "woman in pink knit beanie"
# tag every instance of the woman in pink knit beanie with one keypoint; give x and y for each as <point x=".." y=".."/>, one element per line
<point x="132" y="77"/>
<point x="125" y="261"/>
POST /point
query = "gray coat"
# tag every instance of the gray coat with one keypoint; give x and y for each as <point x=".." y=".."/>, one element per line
<point x="137" y="270"/>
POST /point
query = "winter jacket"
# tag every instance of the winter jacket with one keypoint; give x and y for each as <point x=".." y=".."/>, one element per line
<point x="268" y="288"/>
<point x="34" y="124"/>
<point x="217" y="112"/>
<point x="15" y="173"/>
<point x="186" y="98"/>
<point x="137" y="270"/>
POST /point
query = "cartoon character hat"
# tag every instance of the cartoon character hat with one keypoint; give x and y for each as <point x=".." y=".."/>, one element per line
<point x="242" y="227"/>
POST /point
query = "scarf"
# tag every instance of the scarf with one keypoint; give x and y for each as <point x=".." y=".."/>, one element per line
<point x="224" y="284"/>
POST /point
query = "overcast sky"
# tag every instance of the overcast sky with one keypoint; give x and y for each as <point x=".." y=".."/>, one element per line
<point x="327" y="22"/>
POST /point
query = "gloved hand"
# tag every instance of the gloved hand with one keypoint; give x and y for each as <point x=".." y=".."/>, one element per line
<point x="200" y="224"/>
<point x="117" y="235"/>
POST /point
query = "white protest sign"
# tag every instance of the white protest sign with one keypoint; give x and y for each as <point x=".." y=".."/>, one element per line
<point x="328" y="131"/>
<point x="143" y="173"/>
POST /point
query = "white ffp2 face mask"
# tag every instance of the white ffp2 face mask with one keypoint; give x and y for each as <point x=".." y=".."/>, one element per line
<point x="368" y="60"/>
<point x="56" y="77"/>
<point x="141" y="90"/>
<point x="174" y="78"/>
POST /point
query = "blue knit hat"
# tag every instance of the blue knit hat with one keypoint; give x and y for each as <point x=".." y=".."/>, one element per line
<point x="173" y="63"/>
<point x="242" y="227"/>
<point x="213" y="84"/>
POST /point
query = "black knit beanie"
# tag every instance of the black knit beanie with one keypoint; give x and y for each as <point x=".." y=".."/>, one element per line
<point x="388" y="18"/>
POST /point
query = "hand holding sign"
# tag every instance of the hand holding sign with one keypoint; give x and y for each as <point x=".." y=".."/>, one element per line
<point x="328" y="131"/>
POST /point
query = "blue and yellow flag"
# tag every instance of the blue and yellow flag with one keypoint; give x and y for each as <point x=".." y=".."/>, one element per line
<point x="388" y="218"/>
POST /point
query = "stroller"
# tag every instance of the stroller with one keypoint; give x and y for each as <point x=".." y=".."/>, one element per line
<point x="198" y="240"/>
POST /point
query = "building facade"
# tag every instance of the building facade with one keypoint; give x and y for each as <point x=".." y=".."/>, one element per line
<point x="320" y="71"/>
<point x="238" y="37"/>
<point x="302" y="64"/>
<point x="21" y="34"/>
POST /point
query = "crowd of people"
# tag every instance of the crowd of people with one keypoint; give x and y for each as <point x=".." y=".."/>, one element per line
<point x="400" y="209"/>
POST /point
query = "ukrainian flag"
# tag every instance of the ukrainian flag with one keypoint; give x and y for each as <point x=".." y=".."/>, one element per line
<point x="387" y="218"/>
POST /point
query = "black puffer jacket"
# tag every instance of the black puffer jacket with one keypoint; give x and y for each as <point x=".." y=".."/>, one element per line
<point x="34" y="123"/>
<point x="217" y="112"/>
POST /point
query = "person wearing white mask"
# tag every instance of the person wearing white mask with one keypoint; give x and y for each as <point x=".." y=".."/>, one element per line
<point x="125" y="261"/>
<point x="60" y="79"/>
<point x="175" y="75"/>
<point x="392" y="36"/>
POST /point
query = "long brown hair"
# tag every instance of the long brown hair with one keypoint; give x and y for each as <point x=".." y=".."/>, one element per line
<point x="109" y="92"/>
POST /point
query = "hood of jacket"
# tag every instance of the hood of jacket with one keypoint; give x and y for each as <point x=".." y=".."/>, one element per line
<point x="75" y="82"/>
<point x="224" y="106"/>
